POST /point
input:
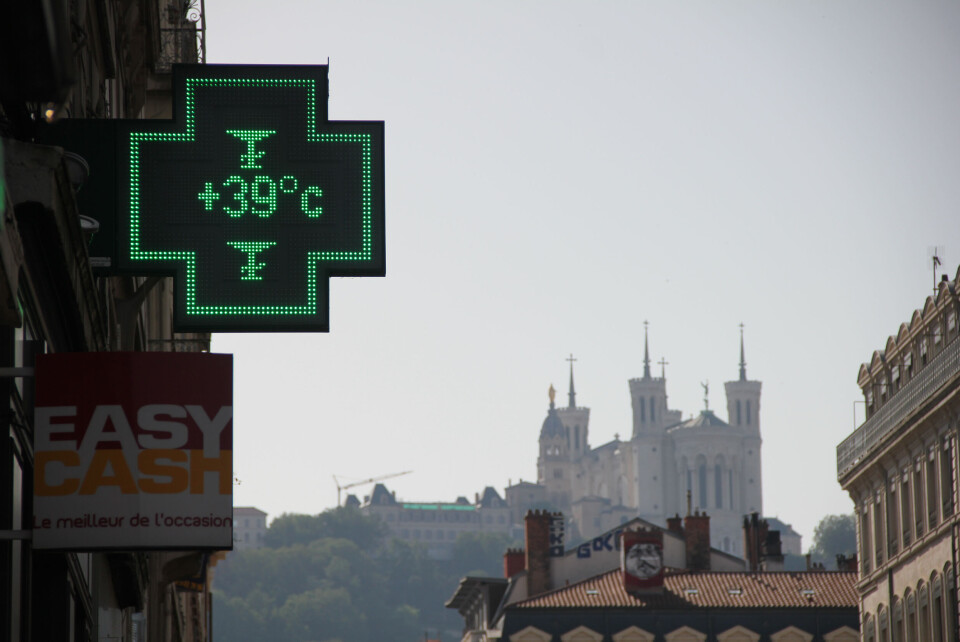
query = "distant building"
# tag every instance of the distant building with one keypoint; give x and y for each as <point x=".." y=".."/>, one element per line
<point x="585" y="595"/>
<point x="249" y="527"/>
<point x="900" y="469"/>
<point x="436" y="525"/>
<point x="650" y="474"/>
<point x="791" y="541"/>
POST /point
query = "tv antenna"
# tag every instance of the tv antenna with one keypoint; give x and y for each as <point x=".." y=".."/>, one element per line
<point x="935" y="252"/>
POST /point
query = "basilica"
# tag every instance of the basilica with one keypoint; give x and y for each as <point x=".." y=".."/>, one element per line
<point x="668" y="466"/>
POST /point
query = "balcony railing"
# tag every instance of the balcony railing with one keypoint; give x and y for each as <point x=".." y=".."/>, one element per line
<point x="941" y="369"/>
<point x="182" y="36"/>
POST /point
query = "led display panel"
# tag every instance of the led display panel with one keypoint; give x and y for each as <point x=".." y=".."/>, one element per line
<point x="251" y="198"/>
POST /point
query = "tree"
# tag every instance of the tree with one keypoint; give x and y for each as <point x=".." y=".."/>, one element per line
<point x="834" y="535"/>
<point x="480" y="553"/>
<point x="344" y="522"/>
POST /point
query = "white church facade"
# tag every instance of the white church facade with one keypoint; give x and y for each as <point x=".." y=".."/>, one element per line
<point x="650" y="475"/>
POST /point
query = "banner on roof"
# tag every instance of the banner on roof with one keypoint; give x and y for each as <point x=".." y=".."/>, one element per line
<point x="641" y="555"/>
<point x="133" y="450"/>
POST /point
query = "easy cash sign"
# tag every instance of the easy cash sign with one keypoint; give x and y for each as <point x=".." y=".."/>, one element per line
<point x="133" y="451"/>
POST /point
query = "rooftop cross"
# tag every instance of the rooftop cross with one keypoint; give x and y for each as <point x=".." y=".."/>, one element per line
<point x="663" y="367"/>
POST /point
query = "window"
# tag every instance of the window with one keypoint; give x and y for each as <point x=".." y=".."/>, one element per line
<point x="739" y="420"/>
<point x="937" y="598"/>
<point x="652" y="413"/>
<point x="936" y="335"/>
<point x="576" y="437"/>
<point x="557" y="473"/>
<point x="951" y="321"/>
<point x="911" y="601"/>
<point x="923" y="352"/>
<point x="730" y="486"/>
<point x="893" y="521"/>
<point x="748" y="412"/>
<point x="906" y="510"/>
<point x="865" y="539"/>
<point x="718" y="485"/>
<point x="908" y="365"/>
<point x="946" y="477"/>
<point x="898" y="621"/>
<point x="918" y="509"/>
<point x="895" y="377"/>
<point x="868" y="394"/>
<point x="643" y="410"/>
<point x="702" y="495"/>
<point x="924" y="613"/>
<point x="933" y="502"/>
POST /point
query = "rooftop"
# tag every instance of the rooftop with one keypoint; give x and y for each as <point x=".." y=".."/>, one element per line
<point x="692" y="590"/>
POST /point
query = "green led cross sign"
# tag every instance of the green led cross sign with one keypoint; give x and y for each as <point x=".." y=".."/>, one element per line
<point x="251" y="198"/>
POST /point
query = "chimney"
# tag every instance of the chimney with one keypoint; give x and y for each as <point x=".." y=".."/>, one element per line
<point x="697" y="529"/>
<point x="772" y="554"/>
<point x="675" y="525"/>
<point x="847" y="564"/>
<point x="537" y="545"/>
<point x="514" y="561"/>
<point x="754" y="538"/>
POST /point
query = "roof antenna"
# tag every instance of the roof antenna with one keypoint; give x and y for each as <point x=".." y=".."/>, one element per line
<point x="935" y="251"/>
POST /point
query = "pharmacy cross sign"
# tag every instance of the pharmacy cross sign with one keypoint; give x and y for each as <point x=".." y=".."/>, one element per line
<point x="251" y="198"/>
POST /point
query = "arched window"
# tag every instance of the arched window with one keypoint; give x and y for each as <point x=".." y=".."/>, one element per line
<point x="739" y="418"/>
<point x="643" y="410"/>
<point x="748" y="412"/>
<point x="652" y="410"/>
<point x="936" y="596"/>
<point x="924" y="604"/>
<point x="576" y="437"/>
<point x="702" y="482"/>
<point x="718" y="485"/>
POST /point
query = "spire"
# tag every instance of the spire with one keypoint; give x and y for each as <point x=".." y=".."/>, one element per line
<point x="743" y="362"/>
<point x="646" y="353"/>
<point x="572" y="403"/>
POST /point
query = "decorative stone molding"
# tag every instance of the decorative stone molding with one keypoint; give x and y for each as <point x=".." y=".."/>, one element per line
<point x="843" y="634"/>
<point x="791" y="634"/>
<point x="531" y="634"/>
<point x="582" y="634"/>
<point x="738" y="634"/>
<point x="633" y="634"/>
<point x="685" y="634"/>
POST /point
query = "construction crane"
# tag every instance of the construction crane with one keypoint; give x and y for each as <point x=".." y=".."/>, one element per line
<point x="365" y="481"/>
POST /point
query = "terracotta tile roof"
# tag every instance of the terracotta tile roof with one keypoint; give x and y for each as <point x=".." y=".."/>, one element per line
<point x="690" y="590"/>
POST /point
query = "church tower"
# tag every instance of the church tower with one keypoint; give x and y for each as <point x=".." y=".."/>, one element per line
<point x="647" y="447"/>
<point x="743" y="411"/>
<point x="575" y="422"/>
<point x="555" y="466"/>
<point x="649" y="398"/>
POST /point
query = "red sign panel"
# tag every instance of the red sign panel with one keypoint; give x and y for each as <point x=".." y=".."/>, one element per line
<point x="133" y="450"/>
<point x="641" y="555"/>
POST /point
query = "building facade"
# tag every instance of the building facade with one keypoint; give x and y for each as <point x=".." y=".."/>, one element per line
<point x="716" y="463"/>
<point x="249" y="528"/>
<point x="99" y="59"/>
<point x="585" y="595"/>
<point x="900" y="469"/>
<point x="437" y="525"/>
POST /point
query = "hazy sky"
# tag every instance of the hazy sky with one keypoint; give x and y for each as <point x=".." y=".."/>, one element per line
<point x="559" y="172"/>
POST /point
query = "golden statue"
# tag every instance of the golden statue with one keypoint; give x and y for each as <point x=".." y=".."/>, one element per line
<point x="552" y="393"/>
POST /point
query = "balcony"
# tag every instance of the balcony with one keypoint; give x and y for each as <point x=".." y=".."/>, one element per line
<point x="941" y="369"/>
